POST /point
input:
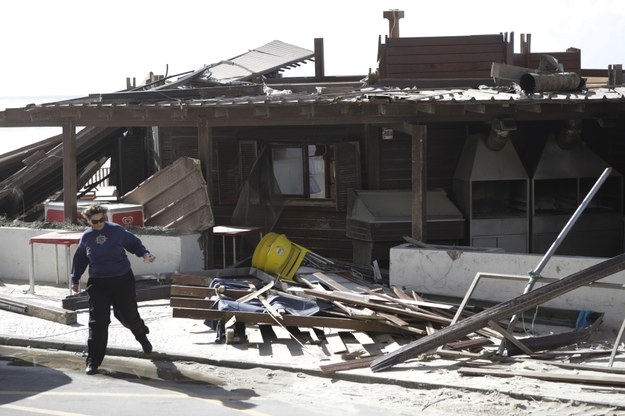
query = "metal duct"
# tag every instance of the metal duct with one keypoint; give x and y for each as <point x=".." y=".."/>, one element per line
<point x="564" y="81"/>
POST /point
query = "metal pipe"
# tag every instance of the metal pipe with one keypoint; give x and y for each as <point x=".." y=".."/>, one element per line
<point x="535" y="274"/>
<point x="562" y="81"/>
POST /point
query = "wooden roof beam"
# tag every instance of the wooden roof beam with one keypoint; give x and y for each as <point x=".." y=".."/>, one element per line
<point x="530" y="108"/>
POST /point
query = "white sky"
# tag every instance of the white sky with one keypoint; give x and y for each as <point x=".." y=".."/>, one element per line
<point x="77" y="47"/>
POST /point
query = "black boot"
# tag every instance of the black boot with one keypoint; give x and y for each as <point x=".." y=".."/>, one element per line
<point x="91" y="368"/>
<point x="145" y="344"/>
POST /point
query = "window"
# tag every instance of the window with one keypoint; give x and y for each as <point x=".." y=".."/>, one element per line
<point x="304" y="170"/>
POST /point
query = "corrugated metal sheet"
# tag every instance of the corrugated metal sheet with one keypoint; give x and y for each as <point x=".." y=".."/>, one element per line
<point x="380" y="94"/>
<point x="269" y="58"/>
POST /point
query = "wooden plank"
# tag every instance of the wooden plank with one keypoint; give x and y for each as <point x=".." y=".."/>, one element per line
<point x="33" y="308"/>
<point x="312" y="333"/>
<point x="334" y="342"/>
<point x="288" y="320"/>
<point x="254" y="334"/>
<point x="347" y="365"/>
<point x="333" y="284"/>
<point x="192" y="303"/>
<point x="502" y="310"/>
<point x="379" y="307"/>
<point x="363" y="338"/>
<point x="602" y="379"/>
<point x="281" y="333"/>
<point x="205" y="292"/>
<point x="388" y="341"/>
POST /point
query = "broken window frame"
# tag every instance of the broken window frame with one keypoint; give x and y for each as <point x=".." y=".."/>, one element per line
<point x="303" y="189"/>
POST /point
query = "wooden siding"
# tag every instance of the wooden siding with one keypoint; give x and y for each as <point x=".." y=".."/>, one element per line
<point x="176" y="142"/>
<point x="444" y="145"/>
<point x="319" y="229"/>
<point x="442" y="57"/>
<point x="348" y="171"/>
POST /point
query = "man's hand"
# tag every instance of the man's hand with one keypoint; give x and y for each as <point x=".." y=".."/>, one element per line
<point x="75" y="287"/>
<point x="149" y="258"/>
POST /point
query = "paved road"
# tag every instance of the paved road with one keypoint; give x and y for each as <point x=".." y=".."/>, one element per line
<point x="40" y="382"/>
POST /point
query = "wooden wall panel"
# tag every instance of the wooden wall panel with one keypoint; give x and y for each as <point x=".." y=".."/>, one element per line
<point x="442" y="57"/>
<point x="319" y="229"/>
<point x="444" y="144"/>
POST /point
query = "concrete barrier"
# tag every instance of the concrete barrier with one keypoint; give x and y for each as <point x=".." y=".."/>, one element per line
<point x="174" y="253"/>
<point x="451" y="272"/>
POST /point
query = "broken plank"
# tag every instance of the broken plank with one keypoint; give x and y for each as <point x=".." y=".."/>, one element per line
<point x="363" y="338"/>
<point x="602" y="379"/>
<point x="281" y="333"/>
<point x="334" y="342"/>
<point x="33" y="308"/>
<point x="311" y="333"/>
<point x="348" y="365"/>
<point x="192" y="303"/>
<point x="388" y="341"/>
<point x="254" y="334"/>
<point x="379" y="307"/>
<point x="501" y="311"/>
<point x="205" y="292"/>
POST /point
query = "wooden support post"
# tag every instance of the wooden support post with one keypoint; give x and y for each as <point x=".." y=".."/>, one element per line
<point x="70" y="176"/>
<point x="419" y="181"/>
<point x="319" y="60"/>
<point x="205" y="155"/>
<point x="501" y="311"/>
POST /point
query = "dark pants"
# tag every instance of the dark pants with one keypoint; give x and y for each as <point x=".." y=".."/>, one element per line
<point x="118" y="292"/>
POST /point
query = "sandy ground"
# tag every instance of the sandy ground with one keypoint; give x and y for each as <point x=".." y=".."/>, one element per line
<point x="430" y="387"/>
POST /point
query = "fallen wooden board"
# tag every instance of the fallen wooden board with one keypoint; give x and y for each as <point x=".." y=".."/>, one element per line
<point x="332" y="296"/>
<point x="334" y="342"/>
<point x="501" y="311"/>
<point x="81" y="300"/>
<point x="254" y="334"/>
<point x="33" y="308"/>
<point x="602" y="379"/>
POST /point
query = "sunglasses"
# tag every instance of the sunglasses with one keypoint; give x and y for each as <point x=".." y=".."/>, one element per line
<point x="97" y="221"/>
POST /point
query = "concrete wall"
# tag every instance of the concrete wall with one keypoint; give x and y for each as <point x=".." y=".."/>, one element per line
<point x="450" y="273"/>
<point x="180" y="253"/>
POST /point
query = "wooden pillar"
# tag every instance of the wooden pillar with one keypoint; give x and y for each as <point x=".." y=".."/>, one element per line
<point x="205" y="155"/>
<point x="70" y="179"/>
<point x="319" y="60"/>
<point x="419" y="181"/>
<point x="372" y="155"/>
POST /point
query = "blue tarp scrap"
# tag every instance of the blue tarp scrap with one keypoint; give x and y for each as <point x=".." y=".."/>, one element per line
<point x="290" y="304"/>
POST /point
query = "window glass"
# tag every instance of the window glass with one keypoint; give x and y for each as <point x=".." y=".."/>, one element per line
<point x="297" y="179"/>
<point x="288" y="170"/>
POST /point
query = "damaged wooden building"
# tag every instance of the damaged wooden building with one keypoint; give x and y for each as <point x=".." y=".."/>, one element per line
<point x="454" y="140"/>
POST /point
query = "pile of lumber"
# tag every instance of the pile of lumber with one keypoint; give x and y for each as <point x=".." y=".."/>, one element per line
<point x="349" y="304"/>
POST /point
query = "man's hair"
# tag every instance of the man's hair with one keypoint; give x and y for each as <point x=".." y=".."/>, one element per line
<point x="94" y="209"/>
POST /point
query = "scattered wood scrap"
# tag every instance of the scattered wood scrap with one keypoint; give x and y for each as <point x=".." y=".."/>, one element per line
<point x="354" y="310"/>
<point x="501" y="311"/>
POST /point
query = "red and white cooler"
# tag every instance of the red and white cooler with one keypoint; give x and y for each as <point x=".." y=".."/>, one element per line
<point x="128" y="215"/>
